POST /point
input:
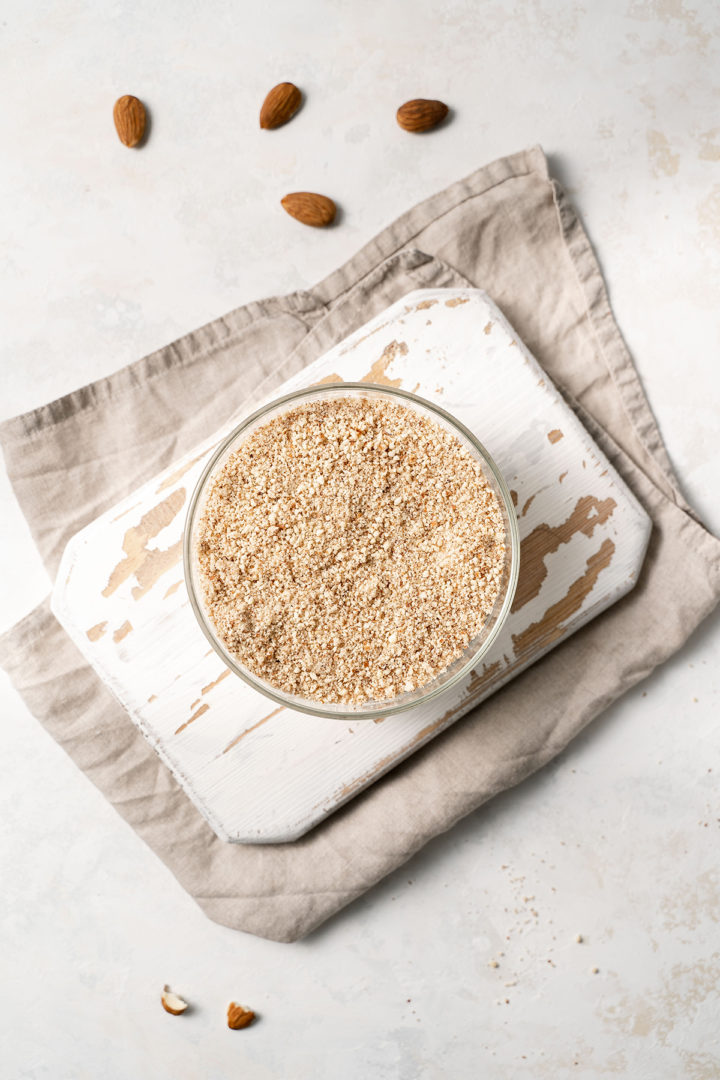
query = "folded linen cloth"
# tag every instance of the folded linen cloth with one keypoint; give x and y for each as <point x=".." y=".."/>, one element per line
<point x="508" y="229"/>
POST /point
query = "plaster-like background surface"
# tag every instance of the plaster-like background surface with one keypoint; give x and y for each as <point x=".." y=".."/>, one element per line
<point x="108" y="254"/>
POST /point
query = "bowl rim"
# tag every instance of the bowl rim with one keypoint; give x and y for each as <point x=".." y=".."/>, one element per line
<point x="304" y="705"/>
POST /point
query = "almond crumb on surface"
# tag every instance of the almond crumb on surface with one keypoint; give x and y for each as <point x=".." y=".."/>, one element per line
<point x="173" y="1003"/>
<point x="349" y="550"/>
<point x="238" y="1016"/>
<point x="579" y="938"/>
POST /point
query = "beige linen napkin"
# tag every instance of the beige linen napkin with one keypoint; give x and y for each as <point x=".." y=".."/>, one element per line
<point x="508" y="229"/>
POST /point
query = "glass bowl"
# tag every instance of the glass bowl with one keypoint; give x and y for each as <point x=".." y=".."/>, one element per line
<point x="475" y="650"/>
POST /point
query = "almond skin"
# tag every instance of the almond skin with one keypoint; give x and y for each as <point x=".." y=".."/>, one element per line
<point x="421" y="114"/>
<point x="280" y="105"/>
<point x="309" y="208"/>
<point x="238" y="1016"/>
<point x="129" y="117"/>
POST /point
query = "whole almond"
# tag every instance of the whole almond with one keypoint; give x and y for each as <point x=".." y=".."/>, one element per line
<point x="309" y="208"/>
<point x="421" y="114"/>
<point x="238" y="1016"/>
<point x="280" y="105"/>
<point x="129" y="117"/>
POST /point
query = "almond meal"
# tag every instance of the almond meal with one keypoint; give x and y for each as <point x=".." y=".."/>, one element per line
<point x="349" y="550"/>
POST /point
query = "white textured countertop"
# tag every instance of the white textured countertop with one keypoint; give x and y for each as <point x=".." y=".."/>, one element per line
<point x="110" y="253"/>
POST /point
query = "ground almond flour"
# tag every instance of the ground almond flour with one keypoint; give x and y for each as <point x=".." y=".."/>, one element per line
<point x="349" y="550"/>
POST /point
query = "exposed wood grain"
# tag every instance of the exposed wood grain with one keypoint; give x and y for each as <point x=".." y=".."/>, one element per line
<point x="137" y="538"/>
<point x="376" y="374"/>
<point x="544" y="540"/>
<point x="156" y="562"/>
<point x="254" y="727"/>
<point x="200" y="712"/>
<point x="212" y="685"/>
<point x="552" y="625"/>
<point x="122" y="631"/>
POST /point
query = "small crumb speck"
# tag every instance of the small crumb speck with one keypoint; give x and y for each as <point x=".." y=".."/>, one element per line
<point x="594" y="970"/>
<point x="579" y="939"/>
<point x="493" y="964"/>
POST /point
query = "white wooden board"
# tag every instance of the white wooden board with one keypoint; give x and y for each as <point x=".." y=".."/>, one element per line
<point x="259" y="773"/>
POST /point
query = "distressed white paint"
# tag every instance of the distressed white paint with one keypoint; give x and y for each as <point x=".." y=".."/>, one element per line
<point x="285" y="771"/>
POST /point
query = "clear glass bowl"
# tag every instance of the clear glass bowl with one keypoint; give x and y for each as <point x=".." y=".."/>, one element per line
<point x="476" y="648"/>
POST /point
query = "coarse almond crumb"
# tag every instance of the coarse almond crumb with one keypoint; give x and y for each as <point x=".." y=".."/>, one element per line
<point x="349" y="550"/>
